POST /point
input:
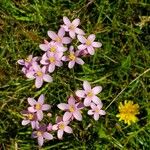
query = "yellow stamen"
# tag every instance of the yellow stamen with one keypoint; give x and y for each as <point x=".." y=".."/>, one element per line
<point x="88" y="42"/>
<point x="61" y="126"/>
<point x="39" y="73"/>
<point x="72" y="56"/>
<point x="97" y="110"/>
<point x="30" y="116"/>
<point x="90" y="94"/>
<point x="38" y="106"/>
<point x="39" y="133"/>
<point x="71" y="108"/>
<point x="52" y="59"/>
<point x="72" y="27"/>
<point x="58" y="39"/>
<point x="53" y="49"/>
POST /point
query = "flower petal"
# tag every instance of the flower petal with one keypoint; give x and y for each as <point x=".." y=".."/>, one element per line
<point x="55" y="127"/>
<point x="91" y="37"/>
<point x="61" y="32"/>
<point x="60" y="134"/>
<point x="52" y="35"/>
<point x="71" y="64"/>
<point x="87" y="101"/>
<point x="81" y="38"/>
<point x="68" y="129"/>
<point x="97" y="89"/>
<point x="39" y="115"/>
<point x="102" y="112"/>
<point x="47" y="78"/>
<point x="66" y="40"/>
<point x="91" y="50"/>
<point x="76" y="22"/>
<point x="72" y="34"/>
<point x="90" y="112"/>
<point x="47" y="136"/>
<point x="96" y="116"/>
<point x="79" y="31"/>
<point x="96" y="100"/>
<point x="71" y="100"/>
<point x="32" y="101"/>
<point x="31" y="109"/>
<point x="33" y="124"/>
<point x="80" y="93"/>
<point x="67" y="116"/>
<point x="38" y="82"/>
<point x="82" y="47"/>
<point x="63" y="106"/>
<point x="77" y="115"/>
<point x="40" y="141"/>
<point x="44" y="47"/>
<point x="41" y="99"/>
<point x="46" y="107"/>
<point x="96" y="44"/>
<point x="30" y="75"/>
<point x="66" y="21"/>
<point x="87" y="86"/>
<point x="25" y="122"/>
<point x="79" y="61"/>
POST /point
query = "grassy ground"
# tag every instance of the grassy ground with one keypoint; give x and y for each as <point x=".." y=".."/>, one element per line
<point x="121" y="67"/>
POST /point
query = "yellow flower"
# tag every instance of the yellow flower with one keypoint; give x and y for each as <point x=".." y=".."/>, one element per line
<point x="128" y="111"/>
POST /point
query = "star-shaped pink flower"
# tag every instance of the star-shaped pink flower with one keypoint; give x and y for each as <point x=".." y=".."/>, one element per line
<point x="88" y="43"/>
<point x="72" y="27"/>
<point x="59" y="38"/>
<point x="89" y="94"/>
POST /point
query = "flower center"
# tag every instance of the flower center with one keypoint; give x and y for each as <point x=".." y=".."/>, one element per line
<point x="28" y="60"/>
<point x="30" y="116"/>
<point x="90" y="94"/>
<point x="72" y="27"/>
<point x="61" y="126"/>
<point x="72" y="56"/>
<point x="53" y="49"/>
<point x="39" y="133"/>
<point x="71" y="108"/>
<point x="88" y="42"/>
<point x="39" y="73"/>
<point x="38" y="106"/>
<point x="58" y="39"/>
<point x="52" y="59"/>
<point x="97" y="110"/>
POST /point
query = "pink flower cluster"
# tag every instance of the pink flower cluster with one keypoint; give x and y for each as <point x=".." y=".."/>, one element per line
<point x="58" y="50"/>
<point x="34" y="113"/>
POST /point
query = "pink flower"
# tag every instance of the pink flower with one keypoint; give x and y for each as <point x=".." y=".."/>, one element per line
<point x="73" y="58"/>
<point x="61" y="127"/>
<point x="39" y="74"/>
<point x="30" y="118"/>
<point x="49" y="127"/>
<point x="88" y="43"/>
<point x="89" y="94"/>
<point x="72" y="109"/>
<point x="27" y="63"/>
<point x="71" y="27"/>
<point x="38" y="106"/>
<point x="96" y="110"/>
<point x="51" y="60"/>
<point x="59" y="39"/>
<point x="41" y="134"/>
<point x="52" y="47"/>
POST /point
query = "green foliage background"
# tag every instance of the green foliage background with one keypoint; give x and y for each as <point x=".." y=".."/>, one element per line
<point x="121" y="67"/>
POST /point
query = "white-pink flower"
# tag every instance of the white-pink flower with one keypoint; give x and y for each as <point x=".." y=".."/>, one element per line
<point x="96" y="111"/>
<point x="72" y="109"/>
<point x="89" y="94"/>
<point x="38" y="106"/>
<point x="61" y="127"/>
<point x="52" y="47"/>
<point x="59" y="38"/>
<point x="40" y="75"/>
<point x="71" y="27"/>
<point x="88" y="43"/>
<point x="51" y="60"/>
<point x="73" y="58"/>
